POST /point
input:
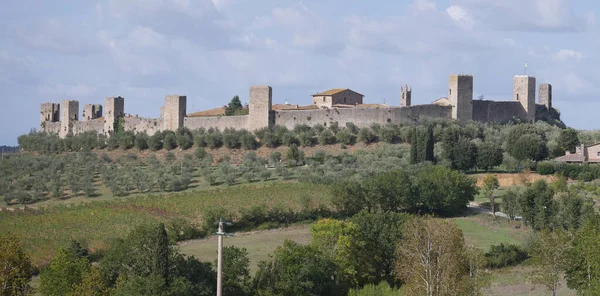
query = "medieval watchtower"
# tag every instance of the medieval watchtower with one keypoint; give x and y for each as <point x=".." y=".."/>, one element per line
<point x="174" y="112"/>
<point x="68" y="117"/>
<point x="114" y="110"/>
<point x="405" y="96"/>
<point x="545" y="95"/>
<point x="91" y="112"/>
<point x="524" y="92"/>
<point x="460" y="95"/>
<point x="50" y="112"/>
<point x="260" y="107"/>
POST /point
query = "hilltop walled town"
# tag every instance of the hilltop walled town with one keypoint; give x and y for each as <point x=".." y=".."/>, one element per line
<point x="335" y="105"/>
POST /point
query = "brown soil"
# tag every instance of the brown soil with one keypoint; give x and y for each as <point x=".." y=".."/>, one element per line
<point x="512" y="179"/>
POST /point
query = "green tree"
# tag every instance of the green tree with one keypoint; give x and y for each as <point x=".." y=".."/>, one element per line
<point x="490" y="184"/>
<point x="422" y="143"/>
<point x="529" y="147"/>
<point x="510" y="203"/>
<point x="442" y="190"/>
<point x="549" y="258"/>
<point x="161" y="253"/>
<point x="537" y="205"/>
<point x="236" y="272"/>
<point x="583" y="261"/>
<point x="477" y="278"/>
<point x="295" y="270"/>
<point x="431" y="258"/>
<point x="489" y="156"/>
<point x="381" y="289"/>
<point x="65" y="271"/>
<point x="568" y="139"/>
<point x="235" y="105"/>
<point x="15" y="267"/>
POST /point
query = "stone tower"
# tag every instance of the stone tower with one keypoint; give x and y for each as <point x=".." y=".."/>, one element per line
<point x="524" y="92"/>
<point x="174" y="112"/>
<point x="460" y="95"/>
<point x="91" y="112"/>
<point x="68" y="117"/>
<point x="114" y="109"/>
<point x="405" y="96"/>
<point x="50" y="112"/>
<point x="545" y="95"/>
<point x="260" y="107"/>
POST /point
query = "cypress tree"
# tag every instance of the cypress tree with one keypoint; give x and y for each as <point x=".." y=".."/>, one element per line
<point x="161" y="253"/>
<point x="414" y="146"/>
<point x="429" y="143"/>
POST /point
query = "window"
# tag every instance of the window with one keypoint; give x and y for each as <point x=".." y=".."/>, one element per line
<point x="344" y="99"/>
<point x="323" y="99"/>
<point x="450" y="91"/>
<point x="599" y="154"/>
<point x="517" y="97"/>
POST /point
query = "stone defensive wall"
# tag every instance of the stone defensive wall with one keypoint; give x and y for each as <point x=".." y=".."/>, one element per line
<point x="459" y="105"/>
<point x="140" y="125"/>
<point x="96" y="125"/>
<point x="360" y="116"/>
<point x="217" y="122"/>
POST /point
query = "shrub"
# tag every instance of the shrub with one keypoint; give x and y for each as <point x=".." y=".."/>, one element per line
<point x="231" y="139"/>
<point x="248" y="141"/>
<point x="302" y="128"/>
<point x="345" y="137"/>
<point x="295" y="156"/>
<point x="503" y="255"/>
<point x="545" y="168"/>
<point x="388" y="134"/>
<point x="213" y="140"/>
<point x="155" y="142"/>
<point x="170" y="141"/>
<point x="200" y="153"/>
<point x="275" y="157"/>
<point x="306" y="139"/>
<point x="200" y="140"/>
<point x="326" y="137"/>
<point x="184" y="141"/>
<point x="126" y="140"/>
<point x="270" y="140"/>
<point x="352" y="127"/>
<point x="141" y="141"/>
<point x="334" y="127"/>
<point x="318" y="128"/>
<point x="366" y="135"/>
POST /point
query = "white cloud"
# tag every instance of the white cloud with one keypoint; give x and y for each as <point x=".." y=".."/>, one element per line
<point x="461" y="16"/>
<point x="424" y="5"/>
<point x="565" y="55"/>
<point x="53" y="35"/>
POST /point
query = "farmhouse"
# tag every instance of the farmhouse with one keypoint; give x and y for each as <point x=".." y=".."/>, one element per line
<point x="583" y="153"/>
<point x="337" y="96"/>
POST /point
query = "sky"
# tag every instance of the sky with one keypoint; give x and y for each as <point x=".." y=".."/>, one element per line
<point x="212" y="50"/>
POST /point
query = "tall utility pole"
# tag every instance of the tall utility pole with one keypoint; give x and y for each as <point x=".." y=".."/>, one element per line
<point x="220" y="233"/>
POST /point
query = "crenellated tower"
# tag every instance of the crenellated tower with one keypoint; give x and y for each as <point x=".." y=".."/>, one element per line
<point x="524" y="92"/>
<point x="174" y="112"/>
<point x="460" y="95"/>
<point x="545" y="95"/>
<point x="114" y="109"/>
<point x="405" y="96"/>
<point x="68" y="117"/>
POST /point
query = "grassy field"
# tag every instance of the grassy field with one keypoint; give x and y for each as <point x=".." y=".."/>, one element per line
<point x="479" y="230"/>
<point x="258" y="243"/>
<point x="43" y="231"/>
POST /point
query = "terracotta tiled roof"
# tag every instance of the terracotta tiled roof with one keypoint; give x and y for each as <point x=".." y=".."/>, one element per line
<point x="293" y="107"/>
<point x="212" y="112"/>
<point x="571" y="158"/>
<point x="444" y="101"/>
<point x="334" y="91"/>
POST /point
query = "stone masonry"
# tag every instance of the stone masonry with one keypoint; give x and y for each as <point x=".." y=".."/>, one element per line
<point x="91" y="112"/>
<point x="524" y="92"/>
<point x="461" y="107"/>
<point x="545" y="95"/>
<point x="174" y="112"/>
<point x="405" y="96"/>
<point x="114" y="110"/>
<point x="460" y="94"/>
<point x="68" y="117"/>
<point x="261" y="100"/>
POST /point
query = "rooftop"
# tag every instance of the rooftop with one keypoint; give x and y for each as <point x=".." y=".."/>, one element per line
<point x="331" y="92"/>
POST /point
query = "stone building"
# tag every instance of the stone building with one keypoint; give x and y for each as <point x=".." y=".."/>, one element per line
<point x="336" y="105"/>
<point x="337" y="96"/>
<point x="583" y="154"/>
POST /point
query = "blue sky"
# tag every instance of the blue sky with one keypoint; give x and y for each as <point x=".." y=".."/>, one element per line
<point x="211" y="50"/>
